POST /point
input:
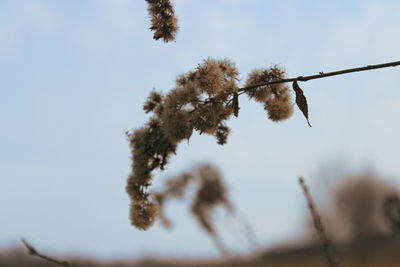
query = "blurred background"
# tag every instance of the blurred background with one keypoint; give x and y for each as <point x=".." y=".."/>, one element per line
<point x="74" y="76"/>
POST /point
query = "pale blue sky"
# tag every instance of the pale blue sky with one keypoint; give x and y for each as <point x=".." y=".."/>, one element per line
<point x="74" y="76"/>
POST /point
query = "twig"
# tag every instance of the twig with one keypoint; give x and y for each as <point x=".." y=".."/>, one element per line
<point x="326" y="244"/>
<point x="321" y="75"/>
<point x="32" y="251"/>
<point x="243" y="90"/>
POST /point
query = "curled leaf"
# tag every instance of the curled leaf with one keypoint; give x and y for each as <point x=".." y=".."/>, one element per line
<point x="235" y="104"/>
<point x="301" y="100"/>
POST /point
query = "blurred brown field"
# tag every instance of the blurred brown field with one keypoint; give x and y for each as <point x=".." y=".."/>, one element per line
<point x="382" y="251"/>
<point x="369" y="228"/>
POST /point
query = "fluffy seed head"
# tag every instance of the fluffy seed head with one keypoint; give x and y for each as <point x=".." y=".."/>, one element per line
<point x="153" y="101"/>
<point x="163" y="20"/>
<point x="258" y="76"/>
<point x="143" y="215"/>
<point x="151" y="149"/>
<point x="280" y="107"/>
<point x="177" y="124"/>
<point x="276" y="97"/>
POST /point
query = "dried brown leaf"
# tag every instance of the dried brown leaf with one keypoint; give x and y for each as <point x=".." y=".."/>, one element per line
<point x="301" y="100"/>
<point x="235" y="104"/>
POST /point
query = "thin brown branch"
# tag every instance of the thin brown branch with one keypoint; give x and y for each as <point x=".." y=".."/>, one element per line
<point x="310" y="77"/>
<point x="326" y="244"/>
<point x="321" y="75"/>
<point x="33" y="252"/>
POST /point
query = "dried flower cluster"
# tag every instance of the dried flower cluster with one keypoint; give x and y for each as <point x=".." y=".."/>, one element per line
<point x="163" y="20"/>
<point x="150" y="149"/>
<point x="211" y="192"/>
<point x="202" y="100"/>
<point x="276" y="97"/>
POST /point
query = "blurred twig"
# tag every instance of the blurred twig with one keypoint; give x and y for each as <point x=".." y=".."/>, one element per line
<point x="33" y="252"/>
<point x="326" y="244"/>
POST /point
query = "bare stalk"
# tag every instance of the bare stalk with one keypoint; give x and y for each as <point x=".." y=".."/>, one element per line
<point x="33" y="252"/>
<point x="326" y="244"/>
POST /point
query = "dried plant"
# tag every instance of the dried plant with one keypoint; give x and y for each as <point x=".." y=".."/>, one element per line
<point x="174" y="188"/>
<point x="203" y="100"/>
<point x="359" y="208"/>
<point x="199" y="102"/>
<point x="358" y="203"/>
<point x="211" y="193"/>
<point x="319" y="227"/>
<point x="163" y="20"/>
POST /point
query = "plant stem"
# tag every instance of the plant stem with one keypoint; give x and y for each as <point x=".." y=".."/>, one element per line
<point x="321" y="75"/>
<point x="319" y="227"/>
